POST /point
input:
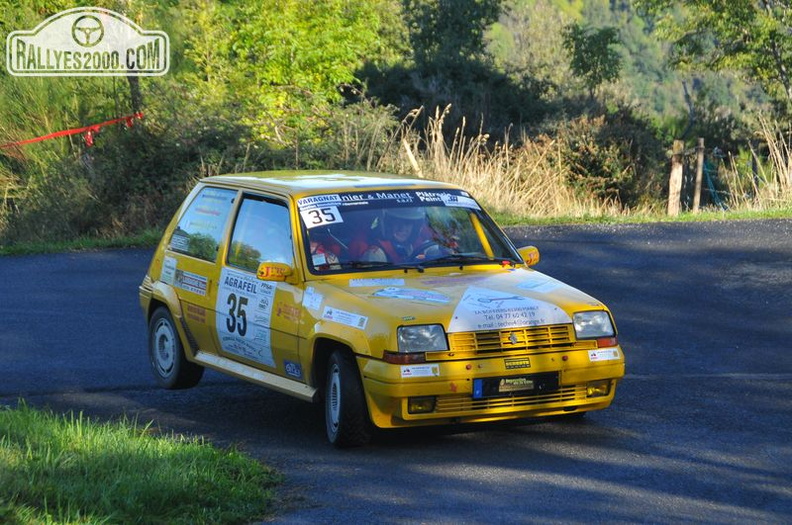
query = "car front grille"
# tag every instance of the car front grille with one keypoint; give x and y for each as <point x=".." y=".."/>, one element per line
<point x="464" y="403"/>
<point x="512" y="341"/>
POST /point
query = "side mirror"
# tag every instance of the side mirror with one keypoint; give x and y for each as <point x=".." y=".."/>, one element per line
<point x="529" y="254"/>
<point x="274" y="271"/>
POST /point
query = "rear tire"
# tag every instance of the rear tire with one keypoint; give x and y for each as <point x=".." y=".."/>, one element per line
<point x="170" y="366"/>
<point x="346" y="416"/>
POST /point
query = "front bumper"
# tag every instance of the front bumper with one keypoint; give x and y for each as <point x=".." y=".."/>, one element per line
<point x="452" y="385"/>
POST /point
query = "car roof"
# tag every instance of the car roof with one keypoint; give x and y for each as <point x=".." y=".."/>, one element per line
<point x="307" y="182"/>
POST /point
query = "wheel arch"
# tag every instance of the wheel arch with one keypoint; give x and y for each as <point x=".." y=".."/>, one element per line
<point x="152" y="307"/>
<point x="164" y="296"/>
<point x="323" y="349"/>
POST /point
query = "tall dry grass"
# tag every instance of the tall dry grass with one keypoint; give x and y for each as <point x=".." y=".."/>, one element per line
<point x="761" y="180"/>
<point x="531" y="178"/>
<point x="526" y="179"/>
<point x="775" y="174"/>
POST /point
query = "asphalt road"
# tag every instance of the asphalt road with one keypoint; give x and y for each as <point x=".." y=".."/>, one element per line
<point x="700" y="432"/>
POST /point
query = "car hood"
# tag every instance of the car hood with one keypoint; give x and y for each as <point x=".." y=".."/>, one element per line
<point x="466" y="300"/>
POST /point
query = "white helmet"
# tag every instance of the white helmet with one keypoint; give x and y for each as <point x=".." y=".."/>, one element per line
<point x="414" y="215"/>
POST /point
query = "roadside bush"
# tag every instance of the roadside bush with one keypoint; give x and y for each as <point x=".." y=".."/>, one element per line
<point x="130" y="181"/>
<point x="133" y="179"/>
<point x="357" y="136"/>
<point x="142" y="174"/>
<point x="520" y="179"/>
<point x="55" y="206"/>
<point x="614" y="157"/>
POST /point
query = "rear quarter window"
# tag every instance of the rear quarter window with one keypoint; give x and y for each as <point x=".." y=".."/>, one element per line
<point x="200" y="229"/>
<point x="262" y="232"/>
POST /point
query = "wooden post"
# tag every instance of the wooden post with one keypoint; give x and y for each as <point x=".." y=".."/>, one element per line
<point x="675" y="180"/>
<point x="699" y="174"/>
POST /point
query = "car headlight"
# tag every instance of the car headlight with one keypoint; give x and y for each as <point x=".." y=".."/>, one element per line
<point x="589" y="325"/>
<point x="422" y="338"/>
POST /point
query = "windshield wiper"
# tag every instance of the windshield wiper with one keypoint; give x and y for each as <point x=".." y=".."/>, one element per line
<point x="411" y="266"/>
<point x="464" y="259"/>
<point x="365" y="264"/>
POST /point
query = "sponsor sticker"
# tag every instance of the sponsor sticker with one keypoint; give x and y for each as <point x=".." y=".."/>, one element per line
<point x="519" y="362"/>
<point x="244" y="316"/>
<point x="361" y="283"/>
<point x="292" y="369"/>
<point x="458" y="200"/>
<point x="314" y="217"/>
<point x="196" y="313"/>
<point x="515" y="384"/>
<point x="486" y="309"/>
<point x="344" y="317"/>
<point x="420" y="370"/>
<point x="312" y="299"/>
<point x="540" y="284"/>
<point x="318" y="201"/>
<point x="287" y="311"/>
<point x="412" y="294"/>
<point x="168" y="274"/>
<point x="191" y="282"/>
<point x="603" y="354"/>
<point x="180" y="242"/>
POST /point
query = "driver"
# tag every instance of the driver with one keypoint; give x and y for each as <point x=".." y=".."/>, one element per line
<point x="323" y="251"/>
<point x="398" y="235"/>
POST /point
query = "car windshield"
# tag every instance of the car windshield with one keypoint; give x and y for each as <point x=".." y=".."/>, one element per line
<point x="367" y="231"/>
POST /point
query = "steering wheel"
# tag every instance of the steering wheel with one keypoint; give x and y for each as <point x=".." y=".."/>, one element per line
<point x="420" y="252"/>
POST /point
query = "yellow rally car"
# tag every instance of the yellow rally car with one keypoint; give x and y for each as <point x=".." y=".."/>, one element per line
<point x="397" y="302"/>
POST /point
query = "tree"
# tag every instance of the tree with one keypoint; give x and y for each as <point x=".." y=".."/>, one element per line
<point x="521" y="45"/>
<point x="449" y="32"/>
<point x="748" y="36"/>
<point x="281" y="65"/>
<point x="451" y="66"/>
<point x="593" y="57"/>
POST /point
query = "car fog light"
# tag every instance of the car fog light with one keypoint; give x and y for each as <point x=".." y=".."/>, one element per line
<point x="421" y="405"/>
<point x="598" y="388"/>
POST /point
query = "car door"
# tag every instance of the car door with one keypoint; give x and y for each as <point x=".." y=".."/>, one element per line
<point x="191" y="264"/>
<point x="256" y="319"/>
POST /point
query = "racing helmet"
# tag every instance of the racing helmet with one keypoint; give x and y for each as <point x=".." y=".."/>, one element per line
<point x="414" y="215"/>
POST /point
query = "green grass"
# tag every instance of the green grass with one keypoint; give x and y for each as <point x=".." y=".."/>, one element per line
<point x="148" y="238"/>
<point x="69" y="469"/>
<point x="505" y="219"/>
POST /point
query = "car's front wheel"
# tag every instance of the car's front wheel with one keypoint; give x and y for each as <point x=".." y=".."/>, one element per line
<point x="346" y="416"/>
<point x="170" y="366"/>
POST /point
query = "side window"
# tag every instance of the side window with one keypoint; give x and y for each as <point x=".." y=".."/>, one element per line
<point x="261" y="233"/>
<point x="200" y="229"/>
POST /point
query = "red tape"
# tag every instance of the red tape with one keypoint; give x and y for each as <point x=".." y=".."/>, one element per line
<point x="89" y="132"/>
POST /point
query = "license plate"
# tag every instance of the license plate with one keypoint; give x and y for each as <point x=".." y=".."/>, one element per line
<point x="526" y="385"/>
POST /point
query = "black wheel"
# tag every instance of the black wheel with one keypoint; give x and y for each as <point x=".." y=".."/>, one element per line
<point x="171" y="368"/>
<point x="346" y="415"/>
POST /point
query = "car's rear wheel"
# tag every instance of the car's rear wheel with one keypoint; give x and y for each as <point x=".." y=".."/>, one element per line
<point x="170" y="366"/>
<point x="346" y="416"/>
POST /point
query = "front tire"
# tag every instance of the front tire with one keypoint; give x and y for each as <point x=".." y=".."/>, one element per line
<point x="346" y="416"/>
<point x="171" y="368"/>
